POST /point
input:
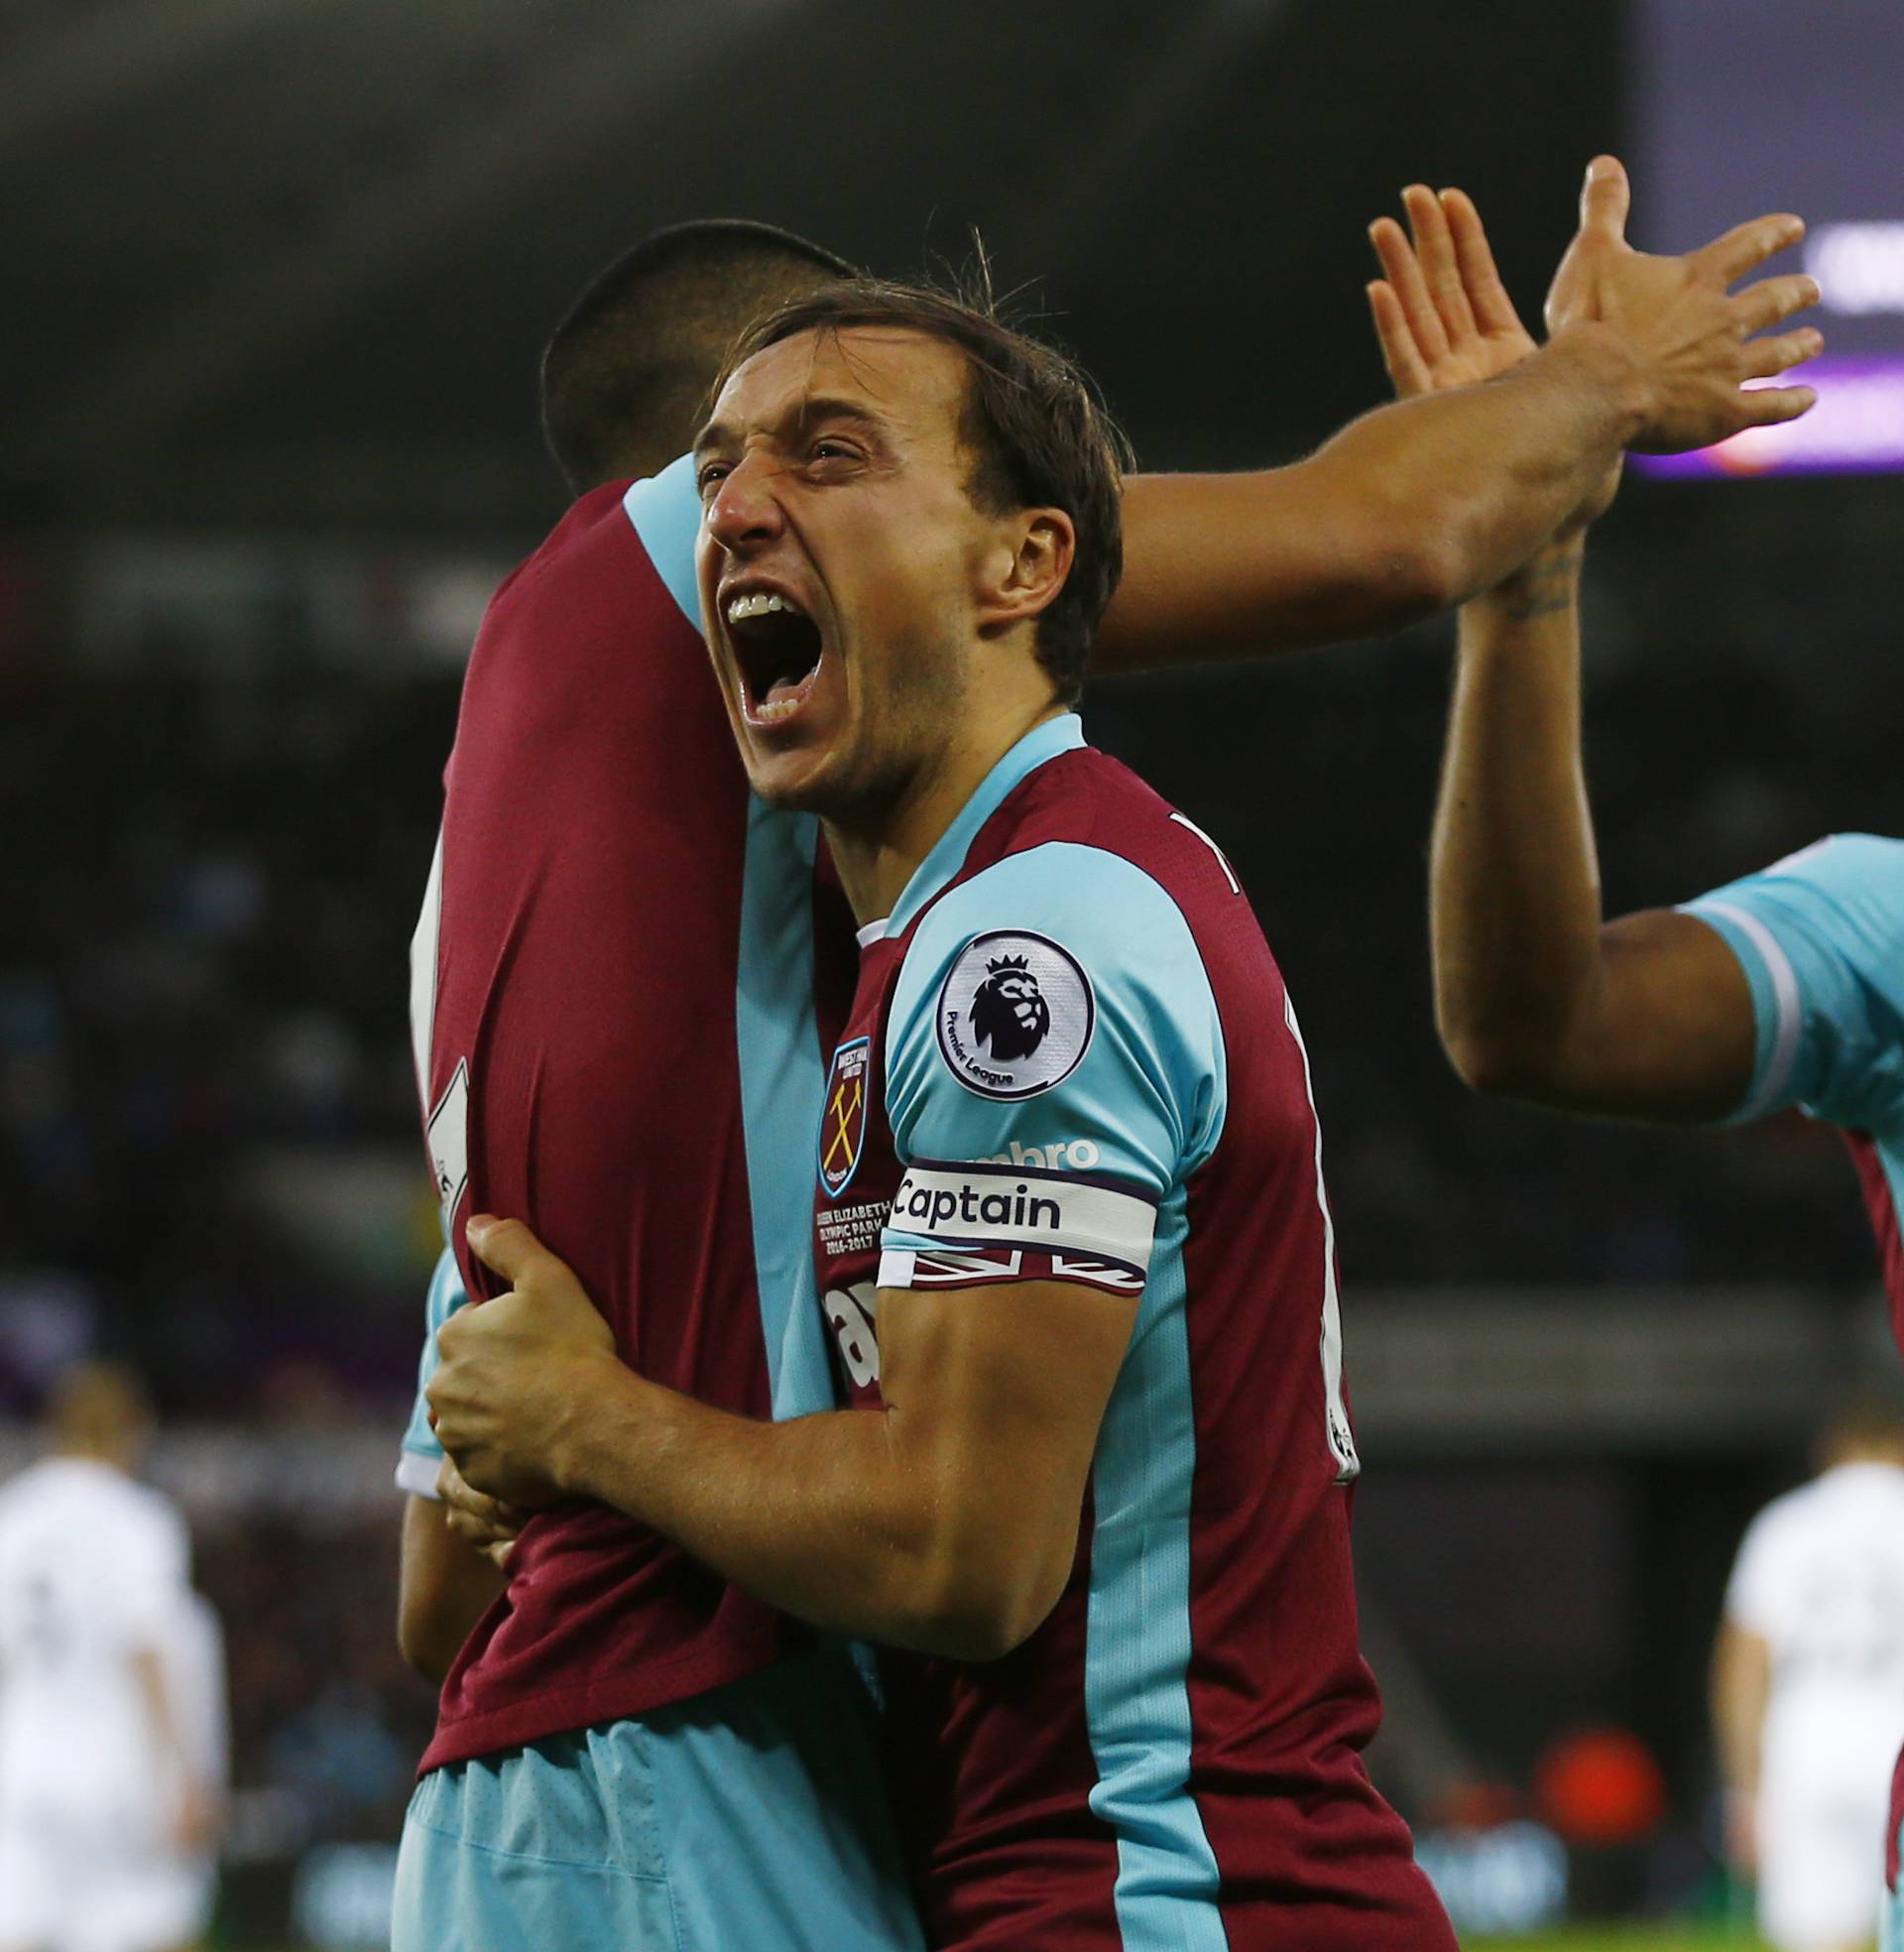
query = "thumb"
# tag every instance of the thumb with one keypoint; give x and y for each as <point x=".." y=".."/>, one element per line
<point x="506" y="1248"/>
<point x="1604" y="199"/>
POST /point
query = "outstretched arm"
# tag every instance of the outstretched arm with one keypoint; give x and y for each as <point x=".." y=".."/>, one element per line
<point x="1419" y="504"/>
<point x="1535" y="995"/>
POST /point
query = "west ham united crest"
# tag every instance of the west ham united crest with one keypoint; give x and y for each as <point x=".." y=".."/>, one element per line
<point x="843" y="1122"/>
<point x="1016" y="1014"/>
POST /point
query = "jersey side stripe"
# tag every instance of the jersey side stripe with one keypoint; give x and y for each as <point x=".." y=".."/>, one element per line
<point x="1137" y="1637"/>
<point x="1784" y="1053"/>
<point x="666" y="510"/>
<point x="1342" y="1441"/>
<point x="782" y="1098"/>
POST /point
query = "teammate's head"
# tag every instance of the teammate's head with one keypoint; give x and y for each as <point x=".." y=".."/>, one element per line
<point x="628" y="375"/>
<point x="934" y="499"/>
<point x="100" y="1409"/>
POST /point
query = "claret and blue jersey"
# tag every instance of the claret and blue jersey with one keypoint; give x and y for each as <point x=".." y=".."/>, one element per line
<point x="1072" y="1057"/>
<point x="1819" y="936"/>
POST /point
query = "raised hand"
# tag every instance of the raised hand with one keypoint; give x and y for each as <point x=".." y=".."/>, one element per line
<point x="1687" y="337"/>
<point x="1442" y="315"/>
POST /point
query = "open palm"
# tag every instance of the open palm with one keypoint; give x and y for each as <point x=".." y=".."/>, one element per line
<point x="1442" y="313"/>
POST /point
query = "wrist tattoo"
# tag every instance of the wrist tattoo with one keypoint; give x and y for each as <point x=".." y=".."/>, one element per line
<point x="1545" y="588"/>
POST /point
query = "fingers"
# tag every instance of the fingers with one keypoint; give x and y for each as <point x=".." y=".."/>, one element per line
<point x="1773" y="300"/>
<point x="1605" y="199"/>
<point x="1435" y="250"/>
<point x="1745" y="247"/>
<point x="1765" y="358"/>
<point x="1492" y="309"/>
<point x="1771" y="406"/>
<point x="473" y="1513"/>
<point x="1407" y="371"/>
<point x="506" y="1248"/>
<point x="1404" y="272"/>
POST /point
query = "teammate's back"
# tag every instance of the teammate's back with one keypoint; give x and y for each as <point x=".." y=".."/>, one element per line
<point x="603" y="898"/>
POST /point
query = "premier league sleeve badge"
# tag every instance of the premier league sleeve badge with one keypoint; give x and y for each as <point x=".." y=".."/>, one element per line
<point x="843" y="1121"/>
<point x="1016" y="1014"/>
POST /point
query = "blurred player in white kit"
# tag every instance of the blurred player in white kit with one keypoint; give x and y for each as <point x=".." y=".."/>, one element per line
<point x="111" y="1693"/>
<point x="1808" y="1687"/>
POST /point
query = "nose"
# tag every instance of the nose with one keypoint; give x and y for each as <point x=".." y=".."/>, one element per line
<point x="745" y="511"/>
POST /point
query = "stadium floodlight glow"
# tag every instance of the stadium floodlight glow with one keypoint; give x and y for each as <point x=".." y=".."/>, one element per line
<point x="1700" y="74"/>
<point x="1860" y="267"/>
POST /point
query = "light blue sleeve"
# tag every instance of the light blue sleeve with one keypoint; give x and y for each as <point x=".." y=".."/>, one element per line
<point x="1054" y="1066"/>
<point x="666" y="510"/>
<point x="1820" y="938"/>
<point x="417" y="1461"/>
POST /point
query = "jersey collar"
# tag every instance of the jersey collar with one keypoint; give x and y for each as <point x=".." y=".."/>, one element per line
<point x="1062" y="734"/>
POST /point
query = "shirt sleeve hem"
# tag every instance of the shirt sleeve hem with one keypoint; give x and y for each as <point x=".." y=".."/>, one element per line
<point x="1774" y="986"/>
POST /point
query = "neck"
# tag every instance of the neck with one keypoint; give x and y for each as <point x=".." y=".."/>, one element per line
<point x="878" y="850"/>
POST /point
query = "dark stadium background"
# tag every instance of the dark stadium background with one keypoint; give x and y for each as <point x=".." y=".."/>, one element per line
<point x="278" y="277"/>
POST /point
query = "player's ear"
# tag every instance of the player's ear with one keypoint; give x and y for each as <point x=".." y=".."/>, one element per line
<point x="1025" y="568"/>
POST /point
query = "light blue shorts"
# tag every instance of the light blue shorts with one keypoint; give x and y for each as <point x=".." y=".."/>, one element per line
<point x="749" y="1819"/>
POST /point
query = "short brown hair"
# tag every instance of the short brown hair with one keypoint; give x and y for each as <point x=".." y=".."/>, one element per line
<point x="1033" y="422"/>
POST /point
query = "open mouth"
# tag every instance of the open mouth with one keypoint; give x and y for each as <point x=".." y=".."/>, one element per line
<point x="778" y="651"/>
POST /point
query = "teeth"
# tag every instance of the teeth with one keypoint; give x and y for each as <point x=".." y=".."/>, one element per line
<point x="758" y="603"/>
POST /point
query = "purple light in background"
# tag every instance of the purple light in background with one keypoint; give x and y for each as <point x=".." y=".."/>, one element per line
<point x="1856" y="428"/>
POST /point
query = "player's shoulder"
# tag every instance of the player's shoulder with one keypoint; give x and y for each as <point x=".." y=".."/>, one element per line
<point x="605" y="532"/>
<point x="1061" y="967"/>
<point x="1070" y="915"/>
<point x="1783" y="1526"/>
<point x="1849" y="885"/>
<point x="93" y="1494"/>
<point x="145" y="1514"/>
<point x="1090" y="799"/>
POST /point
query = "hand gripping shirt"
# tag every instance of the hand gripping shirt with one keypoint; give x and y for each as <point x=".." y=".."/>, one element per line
<point x="616" y="989"/>
<point x="1819" y="936"/>
<point x="1071" y="1057"/>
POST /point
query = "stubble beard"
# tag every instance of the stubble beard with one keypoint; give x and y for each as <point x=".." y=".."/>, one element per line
<point x="895" y="746"/>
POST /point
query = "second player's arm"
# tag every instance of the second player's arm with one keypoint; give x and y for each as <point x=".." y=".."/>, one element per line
<point x="1537" y="996"/>
<point x="1416" y="507"/>
<point x="1405" y="512"/>
<point x="444" y="1586"/>
<point x="945" y="1520"/>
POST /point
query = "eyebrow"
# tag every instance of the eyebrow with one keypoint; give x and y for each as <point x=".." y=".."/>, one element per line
<point x="812" y="410"/>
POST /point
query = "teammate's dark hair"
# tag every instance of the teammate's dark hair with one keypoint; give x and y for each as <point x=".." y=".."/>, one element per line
<point x="628" y="374"/>
<point x="1038" y="432"/>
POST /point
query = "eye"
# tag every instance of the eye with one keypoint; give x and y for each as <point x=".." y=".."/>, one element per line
<point x="829" y="448"/>
<point x="709" y="476"/>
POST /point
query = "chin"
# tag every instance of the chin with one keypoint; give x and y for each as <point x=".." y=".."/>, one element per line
<point x="792" y="787"/>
